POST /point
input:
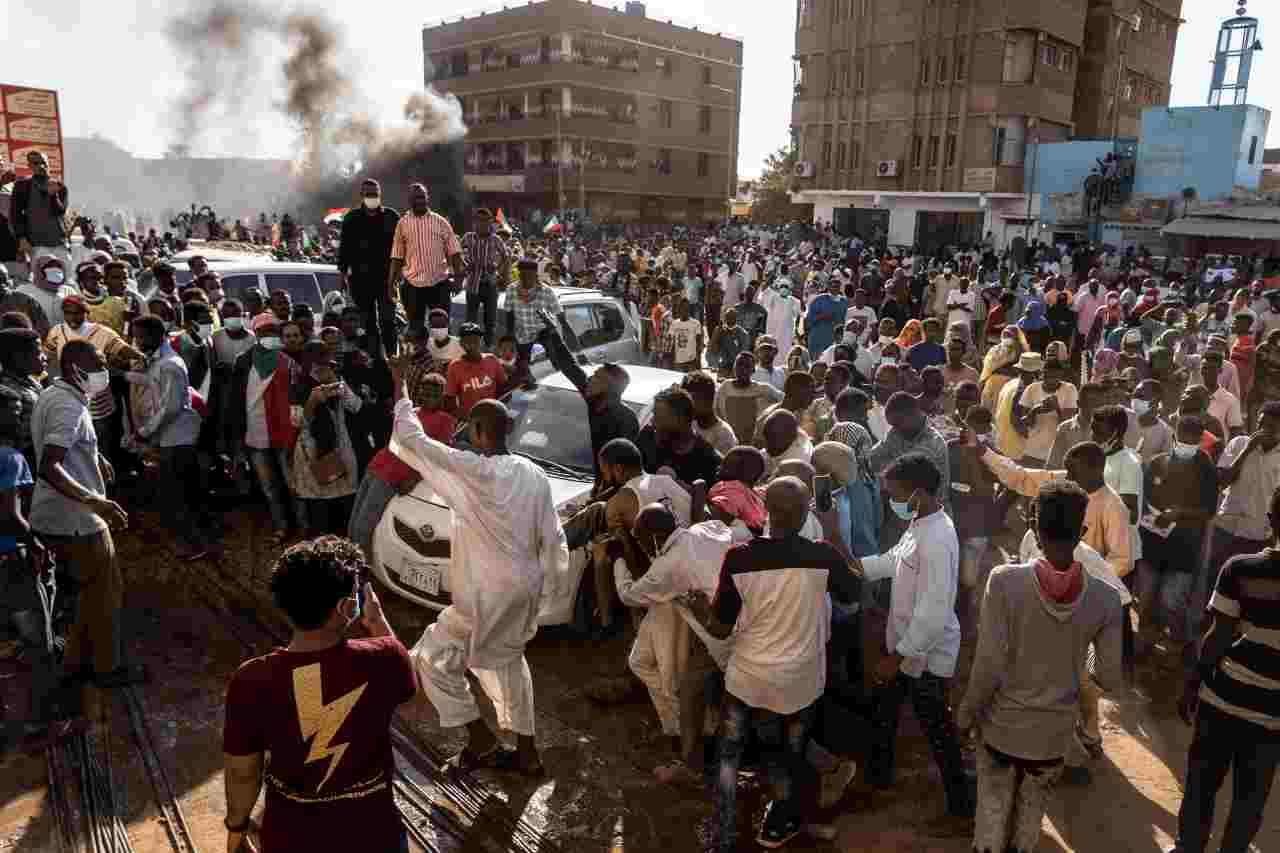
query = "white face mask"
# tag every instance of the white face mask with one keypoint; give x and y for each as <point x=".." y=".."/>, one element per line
<point x="440" y="335"/>
<point x="205" y="329"/>
<point x="97" y="382"/>
<point x="849" y="338"/>
<point x="271" y="343"/>
<point x="373" y="202"/>
<point x="1141" y="407"/>
<point x="233" y="324"/>
<point x="55" y="276"/>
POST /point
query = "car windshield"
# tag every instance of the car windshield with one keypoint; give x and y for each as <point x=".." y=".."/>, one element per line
<point x="550" y="427"/>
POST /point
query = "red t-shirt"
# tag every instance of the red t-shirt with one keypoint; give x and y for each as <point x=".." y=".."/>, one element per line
<point x="473" y="381"/>
<point x="391" y="469"/>
<point x="325" y="717"/>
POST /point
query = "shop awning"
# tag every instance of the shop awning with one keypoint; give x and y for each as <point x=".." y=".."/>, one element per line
<point x="1239" y="229"/>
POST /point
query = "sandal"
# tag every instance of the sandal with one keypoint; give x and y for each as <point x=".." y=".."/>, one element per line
<point x="498" y="758"/>
<point x="775" y="832"/>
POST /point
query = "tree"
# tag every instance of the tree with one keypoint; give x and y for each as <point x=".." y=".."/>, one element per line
<point x="772" y="202"/>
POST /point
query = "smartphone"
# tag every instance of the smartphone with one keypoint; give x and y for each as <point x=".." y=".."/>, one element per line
<point x="822" y="492"/>
<point x="360" y="582"/>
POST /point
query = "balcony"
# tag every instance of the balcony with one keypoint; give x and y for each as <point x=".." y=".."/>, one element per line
<point x="506" y="59"/>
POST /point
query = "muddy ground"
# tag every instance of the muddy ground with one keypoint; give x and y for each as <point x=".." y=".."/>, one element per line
<point x="192" y="624"/>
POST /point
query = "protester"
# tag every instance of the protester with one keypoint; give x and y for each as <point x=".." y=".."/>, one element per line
<point x="670" y="441"/>
<point x="279" y="705"/>
<point x="37" y="207"/>
<point x="364" y="261"/>
<point x="322" y="470"/>
<point x="424" y="251"/>
<point x="506" y="543"/>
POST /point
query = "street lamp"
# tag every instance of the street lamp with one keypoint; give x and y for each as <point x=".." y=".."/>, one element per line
<point x="730" y="189"/>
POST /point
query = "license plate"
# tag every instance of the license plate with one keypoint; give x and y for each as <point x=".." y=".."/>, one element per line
<point x="424" y="578"/>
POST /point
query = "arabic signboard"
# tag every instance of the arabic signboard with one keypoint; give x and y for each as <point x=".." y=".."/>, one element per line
<point x="494" y="183"/>
<point x="980" y="180"/>
<point x="30" y="121"/>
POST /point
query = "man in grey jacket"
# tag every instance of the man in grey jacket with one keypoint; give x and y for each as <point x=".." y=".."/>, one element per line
<point x="1024" y="690"/>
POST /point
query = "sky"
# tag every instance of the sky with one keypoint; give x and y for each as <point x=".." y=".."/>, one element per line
<point x="118" y="75"/>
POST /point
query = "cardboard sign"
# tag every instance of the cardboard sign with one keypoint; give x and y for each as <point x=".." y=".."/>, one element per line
<point x="29" y="121"/>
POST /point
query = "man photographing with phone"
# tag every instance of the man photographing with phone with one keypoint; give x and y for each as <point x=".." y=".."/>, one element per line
<point x="322" y="707"/>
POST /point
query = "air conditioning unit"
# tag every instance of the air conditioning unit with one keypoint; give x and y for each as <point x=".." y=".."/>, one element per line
<point x="887" y="168"/>
<point x="804" y="169"/>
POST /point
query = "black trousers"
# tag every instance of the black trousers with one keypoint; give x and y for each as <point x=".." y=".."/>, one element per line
<point x="928" y="696"/>
<point x="486" y="296"/>
<point x="418" y="302"/>
<point x="371" y="297"/>
<point x="1223" y="742"/>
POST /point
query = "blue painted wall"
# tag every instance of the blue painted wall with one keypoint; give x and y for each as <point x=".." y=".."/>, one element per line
<point x="1202" y="147"/>
<point x="1061" y="167"/>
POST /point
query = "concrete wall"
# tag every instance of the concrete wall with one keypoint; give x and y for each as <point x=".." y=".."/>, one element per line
<point x="1185" y="147"/>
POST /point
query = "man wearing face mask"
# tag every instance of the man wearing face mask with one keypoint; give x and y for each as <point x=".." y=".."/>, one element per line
<point x="73" y="516"/>
<point x="48" y="287"/>
<point x="442" y="348"/>
<point x="172" y="428"/>
<point x="194" y="345"/>
<point x="922" y="638"/>
<point x="488" y="262"/>
<point x="426" y="251"/>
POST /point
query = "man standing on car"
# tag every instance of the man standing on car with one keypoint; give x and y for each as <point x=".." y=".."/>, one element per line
<point x="488" y="271"/>
<point x="527" y="300"/>
<point x="425" y="250"/>
<point x="364" y="259"/>
<point x="36" y="211"/>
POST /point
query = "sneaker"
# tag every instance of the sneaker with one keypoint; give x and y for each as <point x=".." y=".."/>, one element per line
<point x="777" y="831"/>
<point x="835" y="783"/>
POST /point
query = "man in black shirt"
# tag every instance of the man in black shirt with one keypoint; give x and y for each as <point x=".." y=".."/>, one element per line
<point x="364" y="258"/>
<point x="669" y="442"/>
<point x="607" y="416"/>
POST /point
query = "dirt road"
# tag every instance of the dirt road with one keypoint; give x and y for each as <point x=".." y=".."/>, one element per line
<point x="193" y="624"/>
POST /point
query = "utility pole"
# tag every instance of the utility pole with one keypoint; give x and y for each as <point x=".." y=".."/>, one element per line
<point x="730" y="190"/>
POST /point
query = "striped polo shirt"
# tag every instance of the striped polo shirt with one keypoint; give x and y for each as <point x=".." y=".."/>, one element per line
<point x="425" y="244"/>
<point x="1246" y="683"/>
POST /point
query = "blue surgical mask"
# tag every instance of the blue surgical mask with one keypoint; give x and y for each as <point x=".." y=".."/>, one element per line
<point x="903" y="509"/>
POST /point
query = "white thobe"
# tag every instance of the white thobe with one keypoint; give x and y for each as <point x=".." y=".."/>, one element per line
<point x="781" y="322"/>
<point x="689" y="560"/>
<point x="507" y="543"/>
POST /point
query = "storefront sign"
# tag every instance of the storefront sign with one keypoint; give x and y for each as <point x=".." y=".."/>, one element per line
<point x="29" y="121"/>
<point x="495" y="183"/>
<point x="982" y="180"/>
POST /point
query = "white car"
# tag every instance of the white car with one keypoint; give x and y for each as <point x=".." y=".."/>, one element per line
<point x="411" y="543"/>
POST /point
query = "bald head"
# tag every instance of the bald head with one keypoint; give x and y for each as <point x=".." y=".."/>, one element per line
<point x="780" y="430"/>
<point x="655" y="520"/>
<point x="743" y="463"/>
<point x="787" y="500"/>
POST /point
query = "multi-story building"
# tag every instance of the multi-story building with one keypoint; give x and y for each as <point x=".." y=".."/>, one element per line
<point x="912" y="117"/>
<point x="575" y="105"/>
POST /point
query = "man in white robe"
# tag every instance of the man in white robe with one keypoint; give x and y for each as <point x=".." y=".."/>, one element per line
<point x="783" y="311"/>
<point x="506" y="540"/>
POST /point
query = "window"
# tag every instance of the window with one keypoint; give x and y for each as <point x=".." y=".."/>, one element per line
<point x="862" y="79"/>
<point x="917" y="151"/>
<point x="665" y="113"/>
<point x="578" y="318"/>
<point x="609" y="322"/>
<point x="841" y="151"/>
<point x="704" y="119"/>
<point x="1067" y="60"/>
<point x="704" y="164"/>
<point x="949" y="157"/>
<point x="1128" y="91"/>
<point x="844" y="76"/>
<point x="1049" y="54"/>
<point x="706" y="75"/>
<point x="942" y="69"/>
<point x="664" y="161"/>
<point x="933" y="152"/>
<point x="235" y="286"/>
<point x="855" y="154"/>
<point x="1253" y="149"/>
<point x="826" y="154"/>
<point x="959" y="66"/>
<point x="804" y="13"/>
<point x="329" y="282"/>
<point x="924" y="70"/>
<point x="301" y="287"/>
<point x="998" y="135"/>
<point x="668" y="66"/>
<point x="544" y="151"/>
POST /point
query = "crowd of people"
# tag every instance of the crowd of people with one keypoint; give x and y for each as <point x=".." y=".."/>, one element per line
<point x="926" y="408"/>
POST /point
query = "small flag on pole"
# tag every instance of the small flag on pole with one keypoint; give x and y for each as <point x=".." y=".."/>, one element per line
<point x="335" y="214"/>
<point x="552" y="226"/>
<point x="503" y="225"/>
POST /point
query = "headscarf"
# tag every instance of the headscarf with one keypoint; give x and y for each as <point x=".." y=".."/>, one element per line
<point x="740" y="501"/>
<point x="912" y="333"/>
<point x="1002" y="355"/>
<point x="1033" y="317"/>
<point x="1105" y="362"/>
<point x="837" y="459"/>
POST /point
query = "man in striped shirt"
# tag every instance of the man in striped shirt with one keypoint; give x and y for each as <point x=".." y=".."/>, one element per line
<point x="1234" y="695"/>
<point x="488" y="271"/>
<point x="424" y="252"/>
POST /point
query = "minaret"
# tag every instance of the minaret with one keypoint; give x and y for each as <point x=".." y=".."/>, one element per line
<point x="1237" y="40"/>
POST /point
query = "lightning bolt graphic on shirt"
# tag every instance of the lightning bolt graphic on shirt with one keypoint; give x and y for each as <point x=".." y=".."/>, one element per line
<point x="321" y="720"/>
